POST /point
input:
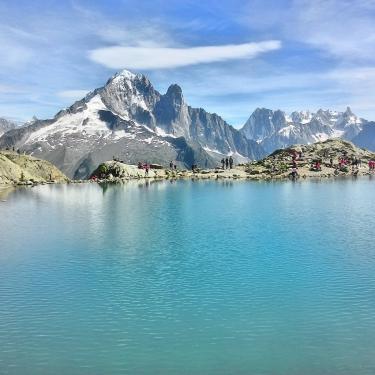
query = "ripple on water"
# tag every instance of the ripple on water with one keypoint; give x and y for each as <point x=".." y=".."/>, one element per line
<point x="189" y="278"/>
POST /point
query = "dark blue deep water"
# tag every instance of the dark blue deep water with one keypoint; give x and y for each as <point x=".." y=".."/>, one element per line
<point x="188" y="278"/>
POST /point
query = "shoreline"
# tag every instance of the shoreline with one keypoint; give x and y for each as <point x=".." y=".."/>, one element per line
<point x="237" y="173"/>
<point x="330" y="159"/>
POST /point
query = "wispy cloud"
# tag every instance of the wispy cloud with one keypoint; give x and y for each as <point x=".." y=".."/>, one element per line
<point x="119" y="57"/>
<point x="327" y="56"/>
<point x="342" y="27"/>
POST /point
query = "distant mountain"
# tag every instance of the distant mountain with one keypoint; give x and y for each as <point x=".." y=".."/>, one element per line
<point x="275" y="129"/>
<point x="6" y="125"/>
<point x="129" y="119"/>
<point x="366" y="137"/>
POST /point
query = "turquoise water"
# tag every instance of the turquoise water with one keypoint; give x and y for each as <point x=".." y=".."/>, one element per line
<point x="190" y="278"/>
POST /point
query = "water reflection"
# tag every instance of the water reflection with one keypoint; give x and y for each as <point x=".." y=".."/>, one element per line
<point x="183" y="277"/>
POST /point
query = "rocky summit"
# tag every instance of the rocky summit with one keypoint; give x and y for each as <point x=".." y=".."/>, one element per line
<point x="130" y="120"/>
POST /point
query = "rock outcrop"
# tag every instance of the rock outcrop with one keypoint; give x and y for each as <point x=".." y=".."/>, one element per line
<point x="16" y="169"/>
<point x="334" y="157"/>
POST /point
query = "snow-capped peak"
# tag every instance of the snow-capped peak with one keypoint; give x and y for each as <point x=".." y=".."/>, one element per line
<point x="124" y="74"/>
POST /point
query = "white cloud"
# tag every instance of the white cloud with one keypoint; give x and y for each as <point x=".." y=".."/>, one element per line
<point x="342" y="27"/>
<point x="119" y="57"/>
<point x="72" y="94"/>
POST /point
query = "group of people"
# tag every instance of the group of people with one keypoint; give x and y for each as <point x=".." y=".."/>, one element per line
<point x="227" y="163"/>
<point x="316" y="166"/>
<point x="172" y="165"/>
<point x="194" y="167"/>
<point x="145" y="166"/>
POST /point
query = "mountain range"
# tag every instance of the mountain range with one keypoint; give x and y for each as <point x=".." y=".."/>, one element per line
<point x="128" y="119"/>
<point x="276" y="129"/>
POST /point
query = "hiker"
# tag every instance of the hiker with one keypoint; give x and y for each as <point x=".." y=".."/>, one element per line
<point x="175" y="167"/>
<point x="226" y="163"/>
<point x="147" y="167"/>
<point x="230" y="162"/>
<point x="222" y="163"/>
<point x="331" y="162"/>
<point x="171" y="165"/>
<point x="294" y="172"/>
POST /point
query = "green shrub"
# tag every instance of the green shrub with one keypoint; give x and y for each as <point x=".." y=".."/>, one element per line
<point x="103" y="169"/>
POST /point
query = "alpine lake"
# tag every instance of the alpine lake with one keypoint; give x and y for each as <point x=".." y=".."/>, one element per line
<point x="188" y="278"/>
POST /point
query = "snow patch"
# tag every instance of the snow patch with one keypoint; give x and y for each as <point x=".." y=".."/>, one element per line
<point x="286" y="130"/>
<point x="215" y="151"/>
<point x="162" y="133"/>
<point x="74" y="123"/>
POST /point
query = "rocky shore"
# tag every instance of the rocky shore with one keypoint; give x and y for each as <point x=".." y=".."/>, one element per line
<point x="279" y="165"/>
<point x="334" y="158"/>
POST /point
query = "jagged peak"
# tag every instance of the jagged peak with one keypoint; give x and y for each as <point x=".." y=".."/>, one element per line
<point x="348" y="111"/>
<point x="262" y="109"/>
<point x="174" y="89"/>
<point x="174" y="92"/>
<point x="127" y="76"/>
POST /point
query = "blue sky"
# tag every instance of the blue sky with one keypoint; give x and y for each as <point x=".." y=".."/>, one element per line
<point x="229" y="57"/>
